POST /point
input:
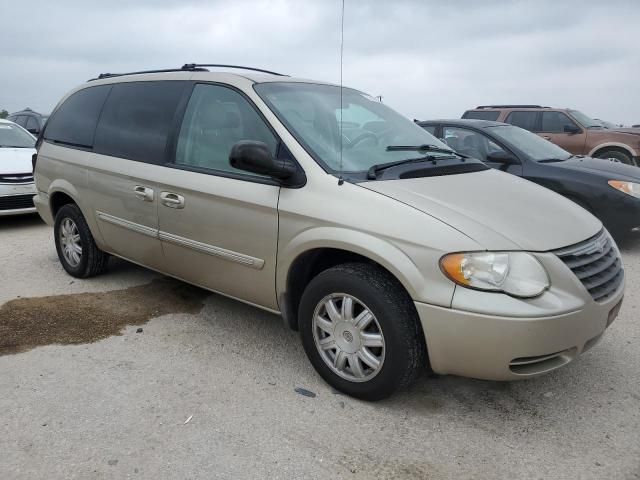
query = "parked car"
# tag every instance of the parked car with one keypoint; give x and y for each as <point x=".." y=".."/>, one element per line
<point x="382" y="246"/>
<point x="570" y="129"/>
<point x="32" y="121"/>
<point x="16" y="178"/>
<point x="610" y="190"/>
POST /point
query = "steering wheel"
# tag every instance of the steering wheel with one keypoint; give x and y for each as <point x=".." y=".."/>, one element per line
<point x="360" y="138"/>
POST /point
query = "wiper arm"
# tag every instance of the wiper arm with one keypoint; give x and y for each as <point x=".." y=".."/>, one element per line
<point x="423" y="148"/>
<point x="372" y="174"/>
<point x="552" y="160"/>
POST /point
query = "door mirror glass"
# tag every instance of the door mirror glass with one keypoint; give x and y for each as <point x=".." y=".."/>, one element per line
<point x="571" y="129"/>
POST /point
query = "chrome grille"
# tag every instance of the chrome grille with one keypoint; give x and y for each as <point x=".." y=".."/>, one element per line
<point x="597" y="265"/>
<point x="16" y="177"/>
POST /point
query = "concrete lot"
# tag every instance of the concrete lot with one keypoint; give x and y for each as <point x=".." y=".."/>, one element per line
<point x="118" y="407"/>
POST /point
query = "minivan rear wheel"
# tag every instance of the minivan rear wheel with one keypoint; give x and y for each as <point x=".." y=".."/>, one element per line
<point x="77" y="250"/>
<point x="361" y="331"/>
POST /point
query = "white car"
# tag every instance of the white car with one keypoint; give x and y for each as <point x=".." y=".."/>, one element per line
<point x="16" y="172"/>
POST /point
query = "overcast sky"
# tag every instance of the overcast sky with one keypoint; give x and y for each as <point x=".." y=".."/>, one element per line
<point x="428" y="59"/>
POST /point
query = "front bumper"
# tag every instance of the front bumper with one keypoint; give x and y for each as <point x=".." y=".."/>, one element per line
<point x="510" y="348"/>
<point x="16" y="199"/>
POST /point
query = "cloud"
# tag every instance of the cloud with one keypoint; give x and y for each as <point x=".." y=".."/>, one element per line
<point x="427" y="58"/>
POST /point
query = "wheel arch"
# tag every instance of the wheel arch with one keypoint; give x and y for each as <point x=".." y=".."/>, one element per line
<point x="316" y="250"/>
<point x="612" y="146"/>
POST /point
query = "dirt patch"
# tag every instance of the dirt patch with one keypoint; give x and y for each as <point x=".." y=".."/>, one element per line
<point x="26" y="323"/>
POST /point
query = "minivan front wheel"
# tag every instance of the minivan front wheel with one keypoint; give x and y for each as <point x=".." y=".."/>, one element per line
<point x="360" y="331"/>
<point x="77" y="250"/>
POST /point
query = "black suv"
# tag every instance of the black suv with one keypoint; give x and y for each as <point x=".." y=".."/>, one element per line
<point x="32" y="121"/>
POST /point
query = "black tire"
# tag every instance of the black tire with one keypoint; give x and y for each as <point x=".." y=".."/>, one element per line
<point x="405" y="350"/>
<point x="619" y="155"/>
<point x="93" y="261"/>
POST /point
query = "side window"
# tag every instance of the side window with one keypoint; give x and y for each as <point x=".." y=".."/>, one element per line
<point x="32" y="124"/>
<point x="74" y="122"/>
<point x="136" y="120"/>
<point x="526" y="120"/>
<point x="482" y="114"/>
<point x="430" y="128"/>
<point x="21" y="120"/>
<point x="469" y="143"/>
<point x="554" y="122"/>
<point x="216" y="118"/>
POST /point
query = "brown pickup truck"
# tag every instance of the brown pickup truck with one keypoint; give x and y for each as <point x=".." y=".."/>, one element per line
<point x="570" y="129"/>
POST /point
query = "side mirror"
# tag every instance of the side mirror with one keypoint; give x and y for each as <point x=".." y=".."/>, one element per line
<point x="255" y="157"/>
<point x="571" y="129"/>
<point x="501" y="157"/>
<point x="33" y="131"/>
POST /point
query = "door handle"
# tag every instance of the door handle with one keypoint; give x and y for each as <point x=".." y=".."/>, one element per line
<point x="172" y="200"/>
<point x="143" y="193"/>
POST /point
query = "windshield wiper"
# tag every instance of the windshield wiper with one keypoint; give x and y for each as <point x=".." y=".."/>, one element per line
<point x="552" y="160"/>
<point x="423" y="148"/>
<point x="372" y="173"/>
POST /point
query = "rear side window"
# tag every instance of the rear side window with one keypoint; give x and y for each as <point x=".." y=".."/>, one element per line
<point x="74" y="122"/>
<point x="32" y="124"/>
<point x="481" y="115"/>
<point x="526" y="120"/>
<point x="136" y="120"/>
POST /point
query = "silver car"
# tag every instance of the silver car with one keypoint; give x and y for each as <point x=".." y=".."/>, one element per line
<point x="389" y="252"/>
<point x="16" y="177"/>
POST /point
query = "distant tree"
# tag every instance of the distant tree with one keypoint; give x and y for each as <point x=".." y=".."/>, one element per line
<point x="4" y="114"/>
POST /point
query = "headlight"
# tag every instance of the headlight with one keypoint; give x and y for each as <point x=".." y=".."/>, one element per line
<point x="629" y="188"/>
<point x="515" y="273"/>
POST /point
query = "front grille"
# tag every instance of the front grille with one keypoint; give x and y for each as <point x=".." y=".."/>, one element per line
<point x="597" y="265"/>
<point x="16" y="177"/>
<point x="14" y="202"/>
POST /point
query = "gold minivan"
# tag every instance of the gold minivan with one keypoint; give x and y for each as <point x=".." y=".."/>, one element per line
<point x="386" y="250"/>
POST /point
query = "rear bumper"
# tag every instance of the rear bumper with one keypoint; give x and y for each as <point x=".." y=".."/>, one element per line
<point x="41" y="201"/>
<point x="508" y="348"/>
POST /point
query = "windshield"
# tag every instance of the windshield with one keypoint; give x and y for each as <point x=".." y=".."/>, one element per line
<point x="313" y="112"/>
<point x="14" y="136"/>
<point x="535" y="147"/>
<point x="584" y="120"/>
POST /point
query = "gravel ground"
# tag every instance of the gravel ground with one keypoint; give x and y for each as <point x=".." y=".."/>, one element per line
<point x="206" y="390"/>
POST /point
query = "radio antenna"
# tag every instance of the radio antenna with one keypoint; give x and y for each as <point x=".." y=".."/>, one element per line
<point x="340" y="179"/>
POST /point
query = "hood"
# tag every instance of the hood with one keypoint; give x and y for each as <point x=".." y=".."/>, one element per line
<point x="610" y="169"/>
<point x="631" y="130"/>
<point x="496" y="209"/>
<point x="16" y="160"/>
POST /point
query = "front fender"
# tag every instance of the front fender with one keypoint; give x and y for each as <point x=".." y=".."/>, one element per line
<point x="380" y="251"/>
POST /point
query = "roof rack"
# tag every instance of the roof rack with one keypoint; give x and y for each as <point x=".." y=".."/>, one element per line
<point x="480" y="107"/>
<point x="193" y="66"/>
<point x="187" y="67"/>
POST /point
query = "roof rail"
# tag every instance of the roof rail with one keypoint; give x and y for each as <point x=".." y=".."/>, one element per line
<point x="480" y="107"/>
<point x="187" y="67"/>
<point x="193" y="66"/>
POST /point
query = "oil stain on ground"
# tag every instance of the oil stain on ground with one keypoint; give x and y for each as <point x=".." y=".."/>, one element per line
<point x="26" y="323"/>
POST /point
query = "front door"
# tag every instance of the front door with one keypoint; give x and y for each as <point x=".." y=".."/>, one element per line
<point x="552" y="128"/>
<point x="218" y="225"/>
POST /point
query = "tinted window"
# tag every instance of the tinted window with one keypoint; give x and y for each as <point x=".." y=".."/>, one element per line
<point x="481" y="115"/>
<point x="216" y="118"/>
<point x="32" y="124"/>
<point x="469" y="142"/>
<point x="21" y="120"/>
<point x="74" y="122"/>
<point x="554" y="122"/>
<point x="136" y="120"/>
<point x="526" y="120"/>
